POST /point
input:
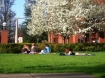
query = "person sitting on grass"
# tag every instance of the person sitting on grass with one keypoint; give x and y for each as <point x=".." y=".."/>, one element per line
<point x="34" y="49"/>
<point x="46" y="49"/>
<point x="25" y="49"/>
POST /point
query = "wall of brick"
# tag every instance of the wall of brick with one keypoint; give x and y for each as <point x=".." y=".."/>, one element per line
<point x="4" y="36"/>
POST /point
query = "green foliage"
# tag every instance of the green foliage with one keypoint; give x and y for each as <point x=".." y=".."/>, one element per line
<point x="79" y="47"/>
<point x="10" y="48"/>
<point x="103" y="48"/>
<point x="58" y="48"/>
<point x="30" y="38"/>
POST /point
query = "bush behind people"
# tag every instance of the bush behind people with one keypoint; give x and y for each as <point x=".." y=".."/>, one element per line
<point x="16" y="48"/>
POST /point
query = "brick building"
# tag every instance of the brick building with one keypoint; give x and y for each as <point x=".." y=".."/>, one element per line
<point x="88" y="37"/>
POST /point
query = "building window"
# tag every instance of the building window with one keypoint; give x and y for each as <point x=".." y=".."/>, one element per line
<point x="56" y="40"/>
<point x="101" y="34"/>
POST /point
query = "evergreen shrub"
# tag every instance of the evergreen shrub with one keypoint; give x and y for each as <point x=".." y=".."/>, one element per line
<point x="16" y="48"/>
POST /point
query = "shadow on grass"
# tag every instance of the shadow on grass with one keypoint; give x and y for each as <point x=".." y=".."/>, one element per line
<point x="1" y="70"/>
<point x="99" y="70"/>
<point x="40" y="66"/>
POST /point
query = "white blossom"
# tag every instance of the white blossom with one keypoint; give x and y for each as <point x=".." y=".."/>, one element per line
<point x="48" y="15"/>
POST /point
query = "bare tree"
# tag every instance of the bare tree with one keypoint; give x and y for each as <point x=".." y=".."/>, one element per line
<point x="8" y="16"/>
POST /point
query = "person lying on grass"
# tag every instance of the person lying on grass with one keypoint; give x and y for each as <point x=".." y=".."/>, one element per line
<point x="83" y="54"/>
<point x="70" y="52"/>
<point x="67" y="52"/>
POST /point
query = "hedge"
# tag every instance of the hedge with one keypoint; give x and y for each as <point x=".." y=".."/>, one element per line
<point x="16" y="48"/>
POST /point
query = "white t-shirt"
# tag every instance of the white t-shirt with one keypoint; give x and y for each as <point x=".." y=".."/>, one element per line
<point x="20" y="39"/>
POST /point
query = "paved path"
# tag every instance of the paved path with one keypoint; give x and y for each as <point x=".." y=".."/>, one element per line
<point x="58" y="75"/>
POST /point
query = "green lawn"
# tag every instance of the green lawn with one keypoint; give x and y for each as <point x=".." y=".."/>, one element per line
<point x="53" y="63"/>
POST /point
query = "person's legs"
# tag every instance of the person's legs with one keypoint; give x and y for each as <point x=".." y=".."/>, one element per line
<point x="28" y="52"/>
<point x="42" y="52"/>
<point x="31" y="53"/>
<point x="24" y="52"/>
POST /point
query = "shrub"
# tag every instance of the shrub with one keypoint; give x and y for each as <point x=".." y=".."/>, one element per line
<point x="16" y="48"/>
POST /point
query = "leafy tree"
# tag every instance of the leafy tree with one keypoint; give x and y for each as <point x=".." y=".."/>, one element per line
<point x="31" y="38"/>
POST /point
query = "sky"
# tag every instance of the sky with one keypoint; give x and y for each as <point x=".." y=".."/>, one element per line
<point x="18" y="8"/>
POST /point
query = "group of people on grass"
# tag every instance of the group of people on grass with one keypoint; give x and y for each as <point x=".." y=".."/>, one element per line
<point x="34" y="49"/>
<point x="46" y="50"/>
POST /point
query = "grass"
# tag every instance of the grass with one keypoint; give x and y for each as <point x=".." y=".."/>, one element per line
<point x="53" y="63"/>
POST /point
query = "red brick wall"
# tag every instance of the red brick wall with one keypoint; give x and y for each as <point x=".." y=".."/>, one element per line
<point x="60" y="39"/>
<point x="4" y="36"/>
<point x="101" y="40"/>
<point x="74" y="38"/>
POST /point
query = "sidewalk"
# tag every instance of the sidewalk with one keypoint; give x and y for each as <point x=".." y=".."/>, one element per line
<point x="49" y="75"/>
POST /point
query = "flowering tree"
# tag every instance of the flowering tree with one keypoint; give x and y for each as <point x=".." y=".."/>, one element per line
<point x="48" y="15"/>
<point x="66" y="16"/>
<point x="88" y="15"/>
